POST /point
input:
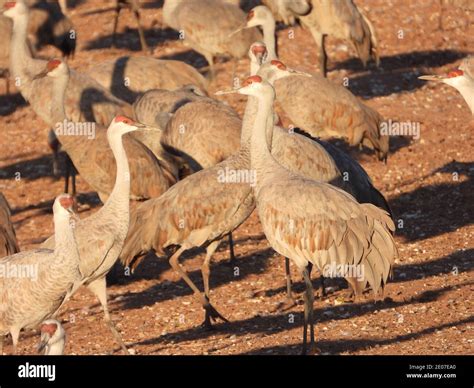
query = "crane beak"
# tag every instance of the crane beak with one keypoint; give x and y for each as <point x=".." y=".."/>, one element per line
<point x="241" y="28"/>
<point x="43" y="342"/>
<point x="436" y="78"/>
<point x="222" y="92"/>
<point x="40" y="75"/>
<point x="300" y="73"/>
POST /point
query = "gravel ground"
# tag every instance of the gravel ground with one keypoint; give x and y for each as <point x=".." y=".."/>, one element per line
<point x="426" y="309"/>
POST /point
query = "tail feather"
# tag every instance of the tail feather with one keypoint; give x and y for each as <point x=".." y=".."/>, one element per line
<point x="141" y="234"/>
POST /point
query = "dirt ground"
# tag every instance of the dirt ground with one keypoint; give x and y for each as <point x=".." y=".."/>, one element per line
<point x="428" y="306"/>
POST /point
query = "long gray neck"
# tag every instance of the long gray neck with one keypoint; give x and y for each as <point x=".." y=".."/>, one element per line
<point x="120" y="196"/>
<point x="65" y="248"/>
<point x="260" y="157"/>
<point x="58" y="98"/>
<point x="248" y="121"/>
<point x="466" y="88"/>
<point x="20" y="56"/>
<point x="269" y="39"/>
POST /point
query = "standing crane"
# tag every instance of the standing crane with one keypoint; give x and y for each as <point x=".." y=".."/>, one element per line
<point x="135" y="7"/>
<point x="128" y="77"/>
<point x="321" y="224"/>
<point x="93" y="156"/>
<point x="206" y="26"/>
<point x="48" y="278"/>
<point x="318" y="106"/>
<point x="341" y="19"/>
<point x="100" y="237"/>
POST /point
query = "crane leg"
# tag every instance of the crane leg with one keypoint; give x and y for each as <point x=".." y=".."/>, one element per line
<point x="99" y="289"/>
<point x="7" y="85"/>
<point x="323" y="58"/>
<point x="320" y="41"/>
<point x="136" y="13"/>
<point x="118" y="8"/>
<point x="206" y="271"/>
<point x="322" y="288"/>
<point x="208" y="308"/>
<point x="308" y="314"/>
<point x="15" y="333"/>
<point x="232" y="260"/>
<point x="289" y="293"/>
<point x="210" y="59"/>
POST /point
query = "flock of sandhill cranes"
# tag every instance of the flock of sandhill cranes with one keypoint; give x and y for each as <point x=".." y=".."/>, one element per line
<point x="317" y="206"/>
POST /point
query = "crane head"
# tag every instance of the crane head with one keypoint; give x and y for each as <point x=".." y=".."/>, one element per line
<point x="65" y="201"/>
<point x="14" y="8"/>
<point x="121" y="125"/>
<point x="54" y="68"/>
<point x="51" y="332"/>
<point x="253" y="86"/>
<point x="258" y="52"/>
<point x="259" y="16"/>
<point x="275" y="70"/>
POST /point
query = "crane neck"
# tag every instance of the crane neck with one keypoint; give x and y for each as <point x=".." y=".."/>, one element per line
<point x="119" y="199"/>
<point x="248" y="121"/>
<point x="465" y="86"/>
<point x="269" y="38"/>
<point x="55" y="349"/>
<point x="65" y="248"/>
<point x="20" y="55"/>
<point x="261" y="159"/>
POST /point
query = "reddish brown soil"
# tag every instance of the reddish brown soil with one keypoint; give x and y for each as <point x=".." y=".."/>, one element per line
<point x="429" y="183"/>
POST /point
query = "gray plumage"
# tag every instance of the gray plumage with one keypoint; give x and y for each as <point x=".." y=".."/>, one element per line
<point x="25" y="301"/>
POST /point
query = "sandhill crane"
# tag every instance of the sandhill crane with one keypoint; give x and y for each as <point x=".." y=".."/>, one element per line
<point x="127" y="77"/>
<point x="53" y="338"/>
<point x="155" y="107"/>
<point x="49" y="25"/>
<point x="8" y="242"/>
<point x="100" y="237"/>
<point x="341" y="19"/>
<point x="90" y="150"/>
<point x="203" y="132"/>
<point x="86" y="99"/>
<point x="321" y="225"/>
<point x="135" y="7"/>
<point x="206" y="25"/>
<point x="320" y="107"/>
<point x="339" y="168"/>
<point x="461" y="79"/>
<point x="35" y="283"/>
<point x="196" y="211"/>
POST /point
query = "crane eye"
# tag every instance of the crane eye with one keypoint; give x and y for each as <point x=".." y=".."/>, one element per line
<point x="250" y="15"/>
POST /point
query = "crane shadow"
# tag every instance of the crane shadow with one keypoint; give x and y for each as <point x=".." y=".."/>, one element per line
<point x="221" y="273"/>
<point x="10" y="102"/>
<point x="396" y="143"/>
<point x="190" y="57"/>
<point x="47" y="30"/>
<point x="273" y="324"/>
<point x="397" y="73"/>
<point x="129" y="39"/>
<point x="457" y="262"/>
<point x="348" y="344"/>
<point x="29" y="169"/>
<point x="420" y="209"/>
